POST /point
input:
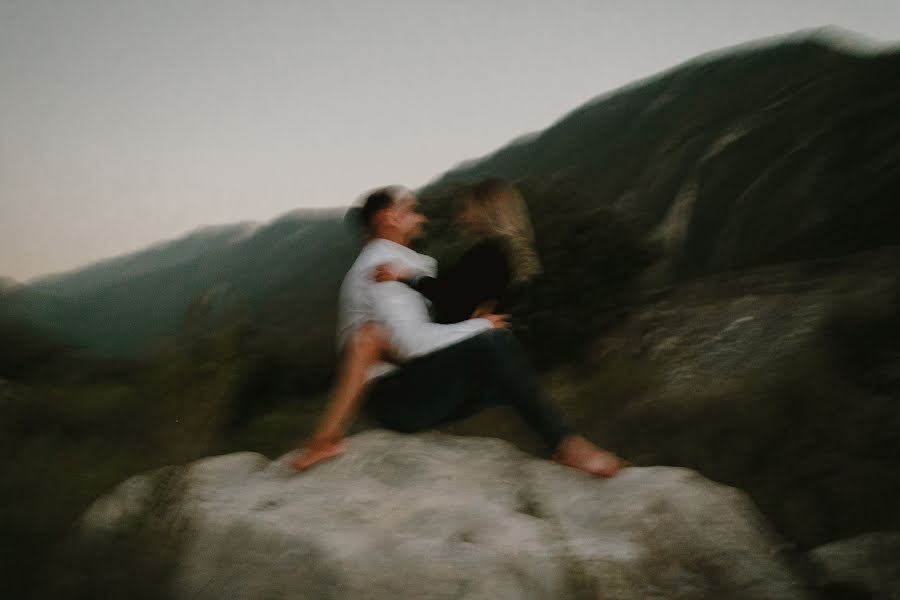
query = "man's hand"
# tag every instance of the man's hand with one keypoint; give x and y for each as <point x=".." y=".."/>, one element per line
<point x="485" y="308"/>
<point x="485" y="311"/>
<point x="317" y="450"/>
<point x="499" y="321"/>
<point x="389" y="272"/>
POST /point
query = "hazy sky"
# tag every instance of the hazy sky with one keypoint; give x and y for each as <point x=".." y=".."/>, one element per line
<point x="123" y="123"/>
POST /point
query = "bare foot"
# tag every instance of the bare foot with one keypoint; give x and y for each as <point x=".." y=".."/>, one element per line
<point x="578" y="452"/>
<point x="318" y="452"/>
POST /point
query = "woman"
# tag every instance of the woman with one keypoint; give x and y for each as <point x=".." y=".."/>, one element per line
<point x="485" y="280"/>
<point x="491" y="274"/>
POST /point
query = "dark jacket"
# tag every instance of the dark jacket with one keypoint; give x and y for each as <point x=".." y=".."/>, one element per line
<point x="482" y="273"/>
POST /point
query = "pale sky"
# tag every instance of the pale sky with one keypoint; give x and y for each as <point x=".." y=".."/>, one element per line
<point x="124" y="123"/>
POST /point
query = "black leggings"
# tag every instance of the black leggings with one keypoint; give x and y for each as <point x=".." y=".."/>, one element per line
<point x="460" y="380"/>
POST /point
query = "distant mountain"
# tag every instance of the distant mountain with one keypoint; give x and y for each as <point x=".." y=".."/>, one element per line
<point x="161" y="255"/>
<point x="8" y="284"/>
<point x="783" y="152"/>
<point x="117" y="306"/>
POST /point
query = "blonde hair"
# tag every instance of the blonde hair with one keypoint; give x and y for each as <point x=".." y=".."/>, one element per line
<point x="505" y="215"/>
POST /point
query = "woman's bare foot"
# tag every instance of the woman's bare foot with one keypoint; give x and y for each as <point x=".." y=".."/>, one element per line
<point x="578" y="452"/>
<point x="317" y="452"/>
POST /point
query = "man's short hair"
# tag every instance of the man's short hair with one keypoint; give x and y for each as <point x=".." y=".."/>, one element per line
<point x="377" y="201"/>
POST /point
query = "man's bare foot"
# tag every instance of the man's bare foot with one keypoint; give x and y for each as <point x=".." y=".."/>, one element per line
<point x="317" y="452"/>
<point x="578" y="452"/>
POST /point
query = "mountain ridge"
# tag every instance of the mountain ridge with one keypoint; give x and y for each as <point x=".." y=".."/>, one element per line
<point x="777" y="152"/>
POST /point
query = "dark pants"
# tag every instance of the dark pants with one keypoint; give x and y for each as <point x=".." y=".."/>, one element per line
<point x="460" y="380"/>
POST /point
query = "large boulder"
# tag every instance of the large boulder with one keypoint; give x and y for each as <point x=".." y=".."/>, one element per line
<point x="432" y="515"/>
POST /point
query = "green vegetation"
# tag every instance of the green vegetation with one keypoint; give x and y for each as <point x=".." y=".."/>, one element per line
<point x="72" y="426"/>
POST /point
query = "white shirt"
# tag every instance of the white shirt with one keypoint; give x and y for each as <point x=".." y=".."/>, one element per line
<point x="400" y="309"/>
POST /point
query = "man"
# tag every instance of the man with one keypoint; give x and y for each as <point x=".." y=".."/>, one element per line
<point x="446" y="371"/>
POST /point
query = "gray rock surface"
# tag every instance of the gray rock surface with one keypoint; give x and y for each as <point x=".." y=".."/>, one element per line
<point x="868" y="564"/>
<point x="723" y="329"/>
<point x="431" y="515"/>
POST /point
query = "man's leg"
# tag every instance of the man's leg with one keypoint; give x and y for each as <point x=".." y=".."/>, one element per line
<point x="511" y="380"/>
<point x="365" y="347"/>
<point x="451" y="383"/>
<point x="423" y="392"/>
<point x="462" y="379"/>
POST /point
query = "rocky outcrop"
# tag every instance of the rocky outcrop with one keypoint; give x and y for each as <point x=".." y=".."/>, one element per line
<point x="441" y="516"/>
<point x="732" y="326"/>
<point x="865" y="566"/>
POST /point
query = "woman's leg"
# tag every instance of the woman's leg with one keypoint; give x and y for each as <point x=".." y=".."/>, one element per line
<point x="366" y="346"/>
